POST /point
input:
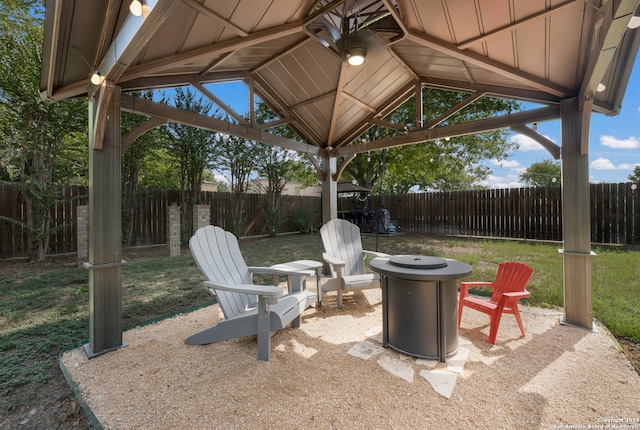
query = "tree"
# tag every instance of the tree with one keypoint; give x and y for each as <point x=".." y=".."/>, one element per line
<point x="278" y="166"/>
<point x="222" y="185"/>
<point x="299" y="167"/>
<point x="273" y="165"/>
<point x="35" y="136"/>
<point x="635" y="175"/>
<point x="193" y="148"/>
<point x="447" y="164"/>
<point x="301" y="170"/>
<point x="236" y="158"/>
<point x="546" y="173"/>
<point x="133" y="161"/>
<point x="159" y="168"/>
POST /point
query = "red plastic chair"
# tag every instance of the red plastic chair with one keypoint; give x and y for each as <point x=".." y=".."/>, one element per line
<point x="506" y="290"/>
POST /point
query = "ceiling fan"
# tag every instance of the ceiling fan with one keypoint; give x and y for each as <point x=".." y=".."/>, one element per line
<point x="356" y="33"/>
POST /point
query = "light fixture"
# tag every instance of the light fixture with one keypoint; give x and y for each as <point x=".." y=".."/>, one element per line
<point x="139" y="7"/>
<point x="96" y="78"/>
<point x="136" y="7"/>
<point x="356" y="47"/>
<point x="534" y="127"/>
<point x="601" y="87"/>
<point x="356" y="55"/>
<point x="634" y="22"/>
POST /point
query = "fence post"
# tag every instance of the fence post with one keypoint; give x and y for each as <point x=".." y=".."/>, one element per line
<point x="201" y="216"/>
<point x="173" y="233"/>
<point x="82" y="234"/>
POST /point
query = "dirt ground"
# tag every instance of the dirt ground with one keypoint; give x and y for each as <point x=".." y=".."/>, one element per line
<point x="633" y="352"/>
<point x="333" y="369"/>
<point x="53" y="406"/>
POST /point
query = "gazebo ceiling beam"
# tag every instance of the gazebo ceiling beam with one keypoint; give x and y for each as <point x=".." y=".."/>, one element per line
<point x="204" y="52"/>
<point x="606" y="38"/>
<point x="289" y="49"/>
<point x="313" y="99"/>
<point x="274" y="123"/>
<point x="130" y="137"/>
<point x="491" y="90"/>
<point x="389" y="105"/>
<point x="335" y="110"/>
<point x="125" y="47"/>
<point x="451" y="111"/>
<point x="547" y="144"/>
<point x="479" y="126"/>
<point x="216" y="62"/>
<point x="267" y="93"/>
<point x="214" y="16"/>
<point x="108" y="24"/>
<point x="387" y="124"/>
<point x="132" y="38"/>
<point x="175" y="81"/>
<point x="146" y="107"/>
<point x="225" y="107"/>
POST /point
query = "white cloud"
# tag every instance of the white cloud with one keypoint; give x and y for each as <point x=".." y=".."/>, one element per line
<point x="603" y="164"/>
<point x="508" y="164"/>
<point x="626" y="166"/>
<point x="520" y="170"/>
<point x="509" y="181"/>
<point x="526" y="143"/>
<point x="221" y="178"/>
<point x="613" y="142"/>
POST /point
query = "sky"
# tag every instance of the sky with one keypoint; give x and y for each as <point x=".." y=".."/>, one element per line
<point x="614" y="142"/>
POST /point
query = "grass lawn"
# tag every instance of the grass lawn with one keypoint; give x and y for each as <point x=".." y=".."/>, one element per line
<point x="45" y="306"/>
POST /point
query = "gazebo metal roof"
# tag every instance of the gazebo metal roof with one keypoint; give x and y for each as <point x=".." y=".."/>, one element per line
<point x="291" y="54"/>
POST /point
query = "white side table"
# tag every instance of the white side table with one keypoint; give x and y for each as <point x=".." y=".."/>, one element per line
<point x="302" y="269"/>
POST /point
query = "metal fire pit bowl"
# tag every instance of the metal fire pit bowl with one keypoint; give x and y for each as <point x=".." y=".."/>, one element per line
<point x="418" y="262"/>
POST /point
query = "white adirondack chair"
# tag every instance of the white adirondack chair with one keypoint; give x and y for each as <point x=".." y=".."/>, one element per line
<point x="248" y="309"/>
<point x="343" y="251"/>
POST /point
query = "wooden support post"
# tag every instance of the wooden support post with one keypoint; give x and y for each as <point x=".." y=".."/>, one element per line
<point x="329" y="190"/>
<point x="82" y="234"/>
<point x="105" y="229"/>
<point x="576" y="217"/>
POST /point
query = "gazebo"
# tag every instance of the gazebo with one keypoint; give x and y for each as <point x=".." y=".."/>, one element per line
<point x="331" y="69"/>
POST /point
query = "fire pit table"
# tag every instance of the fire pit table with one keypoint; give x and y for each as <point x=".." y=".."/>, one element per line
<point x="420" y="304"/>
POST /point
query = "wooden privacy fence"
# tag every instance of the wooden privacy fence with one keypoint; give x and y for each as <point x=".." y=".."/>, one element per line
<point x="149" y="221"/>
<point x="150" y="217"/>
<point x="13" y="238"/>
<point x="522" y="213"/>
